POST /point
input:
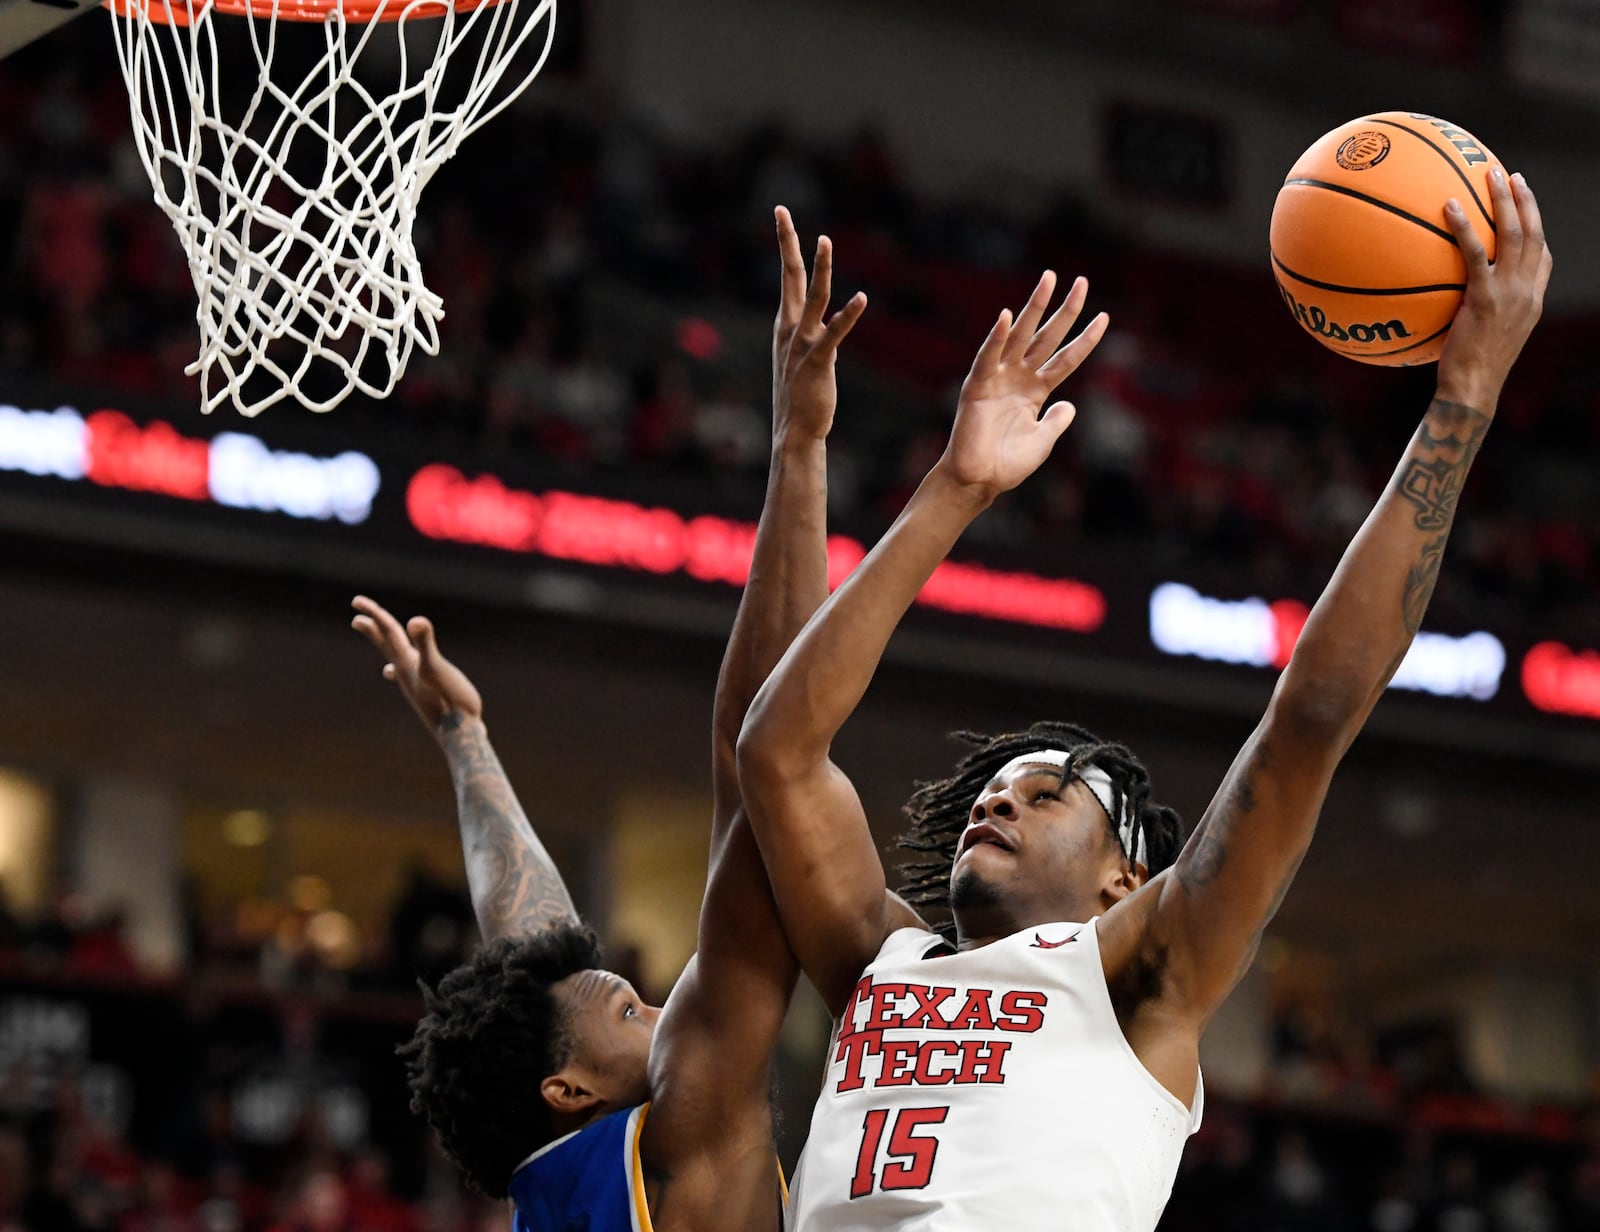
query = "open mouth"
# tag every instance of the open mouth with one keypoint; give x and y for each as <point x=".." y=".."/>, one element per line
<point x="984" y="833"/>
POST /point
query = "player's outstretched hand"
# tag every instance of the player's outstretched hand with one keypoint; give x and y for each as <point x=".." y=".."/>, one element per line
<point x="1503" y="300"/>
<point x="999" y="437"/>
<point x="804" y="347"/>
<point x="433" y="685"/>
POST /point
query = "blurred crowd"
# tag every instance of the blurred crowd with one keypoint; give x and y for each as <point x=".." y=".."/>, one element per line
<point x="284" y="942"/>
<point x="256" y="1091"/>
<point x="1270" y="1171"/>
<point x="68" y="1166"/>
<point x="604" y="287"/>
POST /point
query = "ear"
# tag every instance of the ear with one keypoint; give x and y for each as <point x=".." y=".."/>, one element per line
<point x="567" y="1092"/>
<point x="1125" y="878"/>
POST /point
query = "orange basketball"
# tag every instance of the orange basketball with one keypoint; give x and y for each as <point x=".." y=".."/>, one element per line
<point x="1360" y="246"/>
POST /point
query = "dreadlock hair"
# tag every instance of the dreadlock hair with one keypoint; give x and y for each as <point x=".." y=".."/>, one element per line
<point x="491" y="1032"/>
<point x="939" y="810"/>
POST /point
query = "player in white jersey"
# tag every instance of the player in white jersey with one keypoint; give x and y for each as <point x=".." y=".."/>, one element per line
<point x="1043" y="1071"/>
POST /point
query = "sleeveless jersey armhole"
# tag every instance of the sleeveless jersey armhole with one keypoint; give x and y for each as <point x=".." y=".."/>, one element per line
<point x="1191" y="1114"/>
<point x="635" y="1164"/>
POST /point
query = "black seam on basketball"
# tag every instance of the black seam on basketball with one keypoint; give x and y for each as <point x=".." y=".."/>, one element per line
<point x="1334" y="286"/>
<point x="1410" y="346"/>
<point x="1382" y="205"/>
<point x="1460" y="174"/>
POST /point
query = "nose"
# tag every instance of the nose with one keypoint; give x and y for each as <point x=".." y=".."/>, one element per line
<point x="995" y="804"/>
<point x="651" y="1013"/>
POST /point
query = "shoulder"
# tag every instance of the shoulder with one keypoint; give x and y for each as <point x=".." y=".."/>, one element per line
<point x="911" y="940"/>
<point x="904" y="930"/>
<point x="1138" y="965"/>
<point x="1125" y="935"/>
<point x="589" y="1178"/>
<point x="900" y="916"/>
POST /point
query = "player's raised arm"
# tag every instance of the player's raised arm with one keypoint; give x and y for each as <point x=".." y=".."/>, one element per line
<point x="820" y="854"/>
<point x="515" y="885"/>
<point x="718" y="1029"/>
<point x="789" y="566"/>
<point x="1207" y="915"/>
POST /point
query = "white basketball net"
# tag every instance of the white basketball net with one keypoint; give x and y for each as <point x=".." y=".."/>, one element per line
<point x="295" y="203"/>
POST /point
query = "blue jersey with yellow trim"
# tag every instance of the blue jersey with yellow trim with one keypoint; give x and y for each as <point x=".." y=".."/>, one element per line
<point x="589" y="1181"/>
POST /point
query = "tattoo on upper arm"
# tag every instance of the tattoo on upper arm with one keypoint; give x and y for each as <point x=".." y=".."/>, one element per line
<point x="1210" y="853"/>
<point x="1447" y="441"/>
<point x="1199" y="867"/>
<point x="1278" y="895"/>
<point x="516" y="887"/>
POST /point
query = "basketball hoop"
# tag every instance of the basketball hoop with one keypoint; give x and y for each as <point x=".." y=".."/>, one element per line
<point x="295" y="203"/>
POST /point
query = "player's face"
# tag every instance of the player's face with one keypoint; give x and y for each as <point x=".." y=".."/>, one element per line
<point x="1034" y="850"/>
<point x="611" y="1029"/>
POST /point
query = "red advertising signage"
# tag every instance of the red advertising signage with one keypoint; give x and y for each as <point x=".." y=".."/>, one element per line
<point x="443" y="503"/>
<point x="1560" y="680"/>
<point x="437" y="502"/>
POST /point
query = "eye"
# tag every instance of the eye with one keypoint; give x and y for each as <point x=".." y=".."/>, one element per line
<point x="1046" y="795"/>
<point x="629" y="1011"/>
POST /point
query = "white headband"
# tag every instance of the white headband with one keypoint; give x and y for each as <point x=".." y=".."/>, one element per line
<point x="1098" y="782"/>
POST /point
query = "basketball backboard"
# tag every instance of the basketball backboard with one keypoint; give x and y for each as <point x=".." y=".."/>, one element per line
<point x="22" y="21"/>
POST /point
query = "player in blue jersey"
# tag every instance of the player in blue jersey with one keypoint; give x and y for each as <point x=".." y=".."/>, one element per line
<point x="547" y="1078"/>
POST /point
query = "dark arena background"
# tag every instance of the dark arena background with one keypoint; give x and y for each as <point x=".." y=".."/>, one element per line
<point x="228" y="850"/>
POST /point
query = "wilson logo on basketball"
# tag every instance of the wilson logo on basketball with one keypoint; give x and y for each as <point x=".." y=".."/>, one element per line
<point x="1362" y="151"/>
<point x="1316" y="320"/>
<point x="1465" y="143"/>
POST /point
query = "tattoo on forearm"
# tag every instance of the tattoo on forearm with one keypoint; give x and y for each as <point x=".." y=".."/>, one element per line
<point x="1282" y="891"/>
<point x="1447" y="441"/>
<point x="1420" y="581"/>
<point x="516" y="887"/>
<point x="1430" y="480"/>
<point x="1433" y="487"/>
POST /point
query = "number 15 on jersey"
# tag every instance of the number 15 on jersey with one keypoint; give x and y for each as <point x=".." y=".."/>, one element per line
<point x="910" y="1154"/>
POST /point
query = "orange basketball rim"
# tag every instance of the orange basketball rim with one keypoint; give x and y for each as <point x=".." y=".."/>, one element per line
<point x="176" y="12"/>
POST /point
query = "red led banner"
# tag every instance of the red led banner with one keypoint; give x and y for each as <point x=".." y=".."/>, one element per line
<point x="442" y="503"/>
<point x="121" y="454"/>
<point x="1560" y="680"/>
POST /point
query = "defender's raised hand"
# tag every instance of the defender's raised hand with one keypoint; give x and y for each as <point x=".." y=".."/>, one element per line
<point x="433" y="685"/>
<point x="804" y="347"/>
<point x="1503" y="300"/>
<point x="999" y="437"/>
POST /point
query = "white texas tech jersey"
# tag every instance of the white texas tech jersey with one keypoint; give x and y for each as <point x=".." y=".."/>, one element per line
<point x="988" y="1089"/>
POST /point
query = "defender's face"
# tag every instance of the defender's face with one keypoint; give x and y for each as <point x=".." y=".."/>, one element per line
<point x="611" y="1029"/>
<point x="1033" y="849"/>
